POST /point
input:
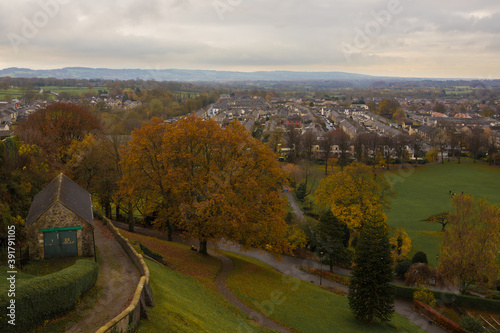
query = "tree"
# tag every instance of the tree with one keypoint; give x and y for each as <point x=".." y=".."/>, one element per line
<point x="354" y="194"/>
<point x="470" y="247"/>
<point x="308" y="140"/>
<point x="333" y="239"/>
<point x="441" y="218"/>
<point x="341" y="139"/>
<point x="326" y="147"/>
<point x="223" y="183"/>
<point x="400" y="243"/>
<point x="441" y="139"/>
<point x="475" y="142"/>
<point x="277" y="139"/>
<point x="54" y="128"/>
<point x="371" y="294"/>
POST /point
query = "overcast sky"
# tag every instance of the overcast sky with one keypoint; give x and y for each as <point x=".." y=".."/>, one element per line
<point x="418" y="38"/>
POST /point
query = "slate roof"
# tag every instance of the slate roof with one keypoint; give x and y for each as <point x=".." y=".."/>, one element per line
<point x="68" y="193"/>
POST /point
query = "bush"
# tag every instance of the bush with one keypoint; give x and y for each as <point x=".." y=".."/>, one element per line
<point x="471" y="324"/>
<point x="401" y="268"/>
<point x="45" y="297"/>
<point x="425" y="296"/>
<point x="301" y="191"/>
<point x="419" y="257"/>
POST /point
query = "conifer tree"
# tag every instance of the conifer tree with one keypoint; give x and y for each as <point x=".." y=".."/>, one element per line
<point x="371" y="294"/>
<point x="333" y="239"/>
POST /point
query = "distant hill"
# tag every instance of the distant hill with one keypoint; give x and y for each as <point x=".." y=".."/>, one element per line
<point x="181" y="75"/>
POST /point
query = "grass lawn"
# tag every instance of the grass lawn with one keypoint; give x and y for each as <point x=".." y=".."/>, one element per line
<point x="426" y="192"/>
<point x="302" y="306"/>
<point x="183" y="304"/>
<point x="186" y="299"/>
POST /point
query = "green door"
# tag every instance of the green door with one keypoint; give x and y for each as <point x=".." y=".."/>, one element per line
<point x="61" y="243"/>
<point x="68" y="243"/>
<point x="51" y="244"/>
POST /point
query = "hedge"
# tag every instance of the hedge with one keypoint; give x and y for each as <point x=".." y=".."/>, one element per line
<point x="45" y="297"/>
<point x="437" y="317"/>
<point x="470" y="302"/>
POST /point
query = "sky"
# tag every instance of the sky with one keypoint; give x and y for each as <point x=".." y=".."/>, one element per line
<point x="409" y="38"/>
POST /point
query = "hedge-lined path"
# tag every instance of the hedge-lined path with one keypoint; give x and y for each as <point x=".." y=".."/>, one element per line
<point x="118" y="278"/>
<point x="220" y="283"/>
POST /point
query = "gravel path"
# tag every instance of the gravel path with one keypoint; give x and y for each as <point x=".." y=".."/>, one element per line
<point x="118" y="278"/>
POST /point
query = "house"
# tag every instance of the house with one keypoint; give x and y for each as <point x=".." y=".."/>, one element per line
<point x="60" y="221"/>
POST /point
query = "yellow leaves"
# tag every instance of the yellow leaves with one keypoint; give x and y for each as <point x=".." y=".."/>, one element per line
<point x="223" y="182"/>
<point x="354" y="194"/>
<point x="400" y="243"/>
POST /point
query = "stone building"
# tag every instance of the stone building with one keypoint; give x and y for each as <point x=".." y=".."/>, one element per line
<point x="60" y="221"/>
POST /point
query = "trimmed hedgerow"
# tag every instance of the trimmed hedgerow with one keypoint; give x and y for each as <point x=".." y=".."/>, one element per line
<point x="437" y="317"/>
<point x="150" y="253"/>
<point x="471" y="302"/>
<point x="45" y="297"/>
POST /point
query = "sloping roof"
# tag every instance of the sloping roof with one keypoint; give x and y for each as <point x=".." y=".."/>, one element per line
<point x="68" y="193"/>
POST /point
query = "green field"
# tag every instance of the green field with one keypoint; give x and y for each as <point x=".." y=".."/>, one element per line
<point x="297" y="304"/>
<point x="426" y="191"/>
<point x="182" y="304"/>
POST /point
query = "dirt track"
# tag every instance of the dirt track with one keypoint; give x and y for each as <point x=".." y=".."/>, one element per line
<point x="118" y="278"/>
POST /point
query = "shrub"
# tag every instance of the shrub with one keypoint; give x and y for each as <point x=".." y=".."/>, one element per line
<point x="471" y="324"/>
<point x="425" y="296"/>
<point x="419" y="257"/>
<point x="301" y="191"/>
<point x="401" y="268"/>
<point x="45" y="297"/>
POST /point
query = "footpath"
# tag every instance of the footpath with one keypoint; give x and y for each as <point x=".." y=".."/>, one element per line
<point x="289" y="266"/>
<point x="118" y="279"/>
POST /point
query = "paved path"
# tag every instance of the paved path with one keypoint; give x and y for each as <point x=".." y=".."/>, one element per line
<point x="220" y="283"/>
<point x="295" y="206"/>
<point x="118" y="278"/>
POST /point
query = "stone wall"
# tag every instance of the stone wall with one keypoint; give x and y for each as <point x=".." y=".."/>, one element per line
<point x="55" y="217"/>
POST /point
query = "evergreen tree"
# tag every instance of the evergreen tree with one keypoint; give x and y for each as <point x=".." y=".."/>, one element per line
<point x="301" y="191"/>
<point x="371" y="294"/>
<point x="333" y="239"/>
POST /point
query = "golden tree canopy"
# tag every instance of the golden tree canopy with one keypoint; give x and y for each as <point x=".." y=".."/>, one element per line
<point x="470" y="245"/>
<point x="222" y="182"/>
<point x="354" y="194"/>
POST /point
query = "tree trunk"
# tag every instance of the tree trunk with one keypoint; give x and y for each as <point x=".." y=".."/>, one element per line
<point x="130" y="218"/>
<point x="117" y="211"/>
<point x="169" y="231"/>
<point x="203" y="247"/>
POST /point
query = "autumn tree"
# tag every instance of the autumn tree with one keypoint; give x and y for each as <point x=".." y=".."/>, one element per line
<point x="400" y="243"/>
<point x="440" y="218"/>
<point x="94" y="164"/>
<point x="371" y="294"/>
<point x="354" y="194"/>
<point x="217" y="183"/>
<point x="54" y="128"/>
<point x="470" y="246"/>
